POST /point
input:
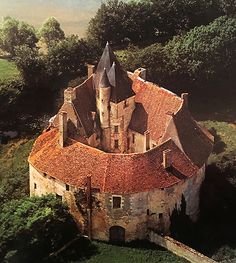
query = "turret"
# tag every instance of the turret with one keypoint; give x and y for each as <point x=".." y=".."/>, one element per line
<point x="104" y="90"/>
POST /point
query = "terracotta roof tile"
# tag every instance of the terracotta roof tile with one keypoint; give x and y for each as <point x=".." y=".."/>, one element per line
<point x="138" y="172"/>
<point x="155" y="106"/>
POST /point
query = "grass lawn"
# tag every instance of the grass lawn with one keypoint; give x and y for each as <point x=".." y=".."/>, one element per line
<point x="117" y="254"/>
<point x="14" y="175"/>
<point x="8" y="70"/>
<point x="225" y="138"/>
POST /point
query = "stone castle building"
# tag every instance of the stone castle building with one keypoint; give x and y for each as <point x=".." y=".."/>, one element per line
<point x="122" y="152"/>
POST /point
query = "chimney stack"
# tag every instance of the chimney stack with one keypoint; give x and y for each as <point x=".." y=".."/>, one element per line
<point x="146" y="141"/>
<point x="91" y="70"/>
<point x="184" y="97"/>
<point x="167" y="160"/>
<point x="69" y="95"/>
<point x="62" y="128"/>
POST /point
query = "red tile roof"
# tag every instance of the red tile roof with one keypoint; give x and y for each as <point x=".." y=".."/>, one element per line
<point x="138" y="172"/>
<point x="154" y="108"/>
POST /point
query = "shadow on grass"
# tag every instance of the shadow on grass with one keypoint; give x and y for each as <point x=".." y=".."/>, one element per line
<point x="215" y="233"/>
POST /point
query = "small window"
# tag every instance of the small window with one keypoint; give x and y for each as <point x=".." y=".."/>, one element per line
<point x="59" y="197"/>
<point x="133" y="138"/>
<point x="148" y="212"/>
<point x="44" y="174"/>
<point x="128" y="143"/>
<point x="116" y="129"/>
<point x="67" y="187"/>
<point x="116" y="202"/>
<point x="35" y="186"/>
<point x="116" y="144"/>
<point x="153" y="145"/>
<point x="160" y="216"/>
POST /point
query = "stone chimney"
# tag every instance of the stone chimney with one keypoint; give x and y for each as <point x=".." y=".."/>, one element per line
<point x="62" y="128"/>
<point x="184" y="97"/>
<point x="141" y="72"/>
<point x="91" y="70"/>
<point x="69" y="95"/>
<point x="167" y="160"/>
<point x="146" y="141"/>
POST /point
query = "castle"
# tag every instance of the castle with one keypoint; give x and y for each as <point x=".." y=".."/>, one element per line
<point x="123" y="153"/>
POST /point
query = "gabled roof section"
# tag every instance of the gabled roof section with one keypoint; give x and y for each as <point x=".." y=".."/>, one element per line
<point x="189" y="136"/>
<point x="120" y="82"/>
<point x="104" y="81"/>
<point x="154" y="107"/>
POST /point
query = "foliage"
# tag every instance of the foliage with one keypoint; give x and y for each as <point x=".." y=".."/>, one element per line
<point x="70" y="56"/>
<point x="10" y="94"/>
<point x="14" y="33"/>
<point x="150" y="21"/>
<point x="204" y="56"/>
<point x="205" y="53"/>
<point x="8" y="70"/>
<point x="30" y="63"/>
<point x="51" y="31"/>
<point x="34" y="226"/>
<point x="14" y="174"/>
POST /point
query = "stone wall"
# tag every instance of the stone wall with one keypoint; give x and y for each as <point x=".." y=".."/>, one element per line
<point x="138" y="211"/>
<point x="179" y="248"/>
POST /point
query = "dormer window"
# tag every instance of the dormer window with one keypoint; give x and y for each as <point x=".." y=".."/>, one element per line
<point x="116" y="202"/>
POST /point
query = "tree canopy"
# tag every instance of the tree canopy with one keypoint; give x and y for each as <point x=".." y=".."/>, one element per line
<point x="51" y="31"/>
<point x="202" y="57"/>
<point x="14" y="33"/>
<point x="152" y="20"/>
<point x="34" y="226"/>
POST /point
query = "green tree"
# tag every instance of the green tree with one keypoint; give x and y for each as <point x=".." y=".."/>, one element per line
<point x="14" y="33"/>
<point x="70" y="56"/>
<point x="206" y="54"/>
<point x="51" y="31"/>
<point x="32" y="228"/>
<point x="30" y="63"/>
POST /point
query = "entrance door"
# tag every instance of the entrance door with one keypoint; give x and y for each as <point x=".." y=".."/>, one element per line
<point x="117" y="234"/>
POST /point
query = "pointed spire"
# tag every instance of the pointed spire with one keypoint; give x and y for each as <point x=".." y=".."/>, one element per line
<point x="112" y="74"/>
<point x="104" y="81"/>
<point x="108" y="57"/>
<point x="120" y="82"/>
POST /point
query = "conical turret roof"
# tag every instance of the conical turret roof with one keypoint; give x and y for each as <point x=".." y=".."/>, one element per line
<point x="104" y="81"/>
<point x="120" y="82"/>
<point x="107" y="59"/>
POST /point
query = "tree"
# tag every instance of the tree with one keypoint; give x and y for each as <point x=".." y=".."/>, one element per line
<point x="173" y="17"/>
<point x="30" y="63"/>
<point x="32" y="228"/>
<point x="14" y="33"/>
<point x="149" y="21"/>
<point x="70" y="56"/>
<point x="206" y="54"/>
<point x="51" y="31"/>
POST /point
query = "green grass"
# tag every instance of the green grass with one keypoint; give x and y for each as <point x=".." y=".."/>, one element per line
<point x="117" y="254"/>
<point x="14" y="174"/>
<point x="225" y="139"/>
<point x="8" y="70"/>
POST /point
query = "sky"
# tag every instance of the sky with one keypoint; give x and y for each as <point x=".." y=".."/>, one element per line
<point x="73" y="15"/>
